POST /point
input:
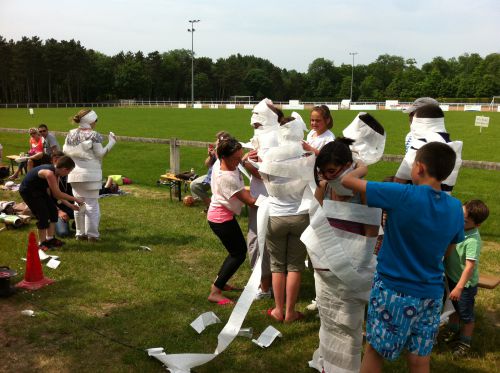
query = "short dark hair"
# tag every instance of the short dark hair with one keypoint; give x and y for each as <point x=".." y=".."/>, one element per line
<point x="477" y="210"/>
<point x="336" y="152"/>
<point x="65" y="162"/>
<point x="324" y="111"/>
<point x="43" y="126"/>
<point x="429" y="111"/>
<point x="227" y="147"/>
<point x="57" y="153"/>
<point x="439" y="159"/>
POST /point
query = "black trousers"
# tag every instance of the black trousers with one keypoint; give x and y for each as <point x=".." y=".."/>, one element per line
<point x="42" y="206"/>
<point x="232" y="238"/>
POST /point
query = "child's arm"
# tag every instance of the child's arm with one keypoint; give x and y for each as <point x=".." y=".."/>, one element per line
<point x="353" y="179"/>
<point x="466" y="275"/>
<point x="54" y="187"/>
<point x="319" y="194"/>
<point x="245" y="197"/>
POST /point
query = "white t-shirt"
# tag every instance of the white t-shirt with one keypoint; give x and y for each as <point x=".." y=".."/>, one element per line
<point x="318" y="141"/>
<point x="225" y="184"/>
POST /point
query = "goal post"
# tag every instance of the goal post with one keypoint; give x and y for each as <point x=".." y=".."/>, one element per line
<point x="241" y="99"/>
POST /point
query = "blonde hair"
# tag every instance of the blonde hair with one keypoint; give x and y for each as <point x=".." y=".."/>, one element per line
<point x="80" y="115"/>
<point x="33" y="130"/>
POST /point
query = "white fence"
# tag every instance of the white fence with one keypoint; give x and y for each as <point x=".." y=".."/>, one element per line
<point x="224" y="104"/>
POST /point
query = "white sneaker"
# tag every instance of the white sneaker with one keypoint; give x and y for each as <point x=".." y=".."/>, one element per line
<point x="313" y="306"/>
<point x="263" y="294"/>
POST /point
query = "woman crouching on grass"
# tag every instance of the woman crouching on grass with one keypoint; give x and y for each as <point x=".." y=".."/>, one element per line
<point x="228" y="196"/>
<point x="34" y="191"/>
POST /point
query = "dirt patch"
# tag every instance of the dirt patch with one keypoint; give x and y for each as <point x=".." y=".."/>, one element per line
<point x="17" y="354"/>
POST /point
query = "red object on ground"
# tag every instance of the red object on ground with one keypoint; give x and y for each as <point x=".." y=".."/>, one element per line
<point x="33" y="278"/>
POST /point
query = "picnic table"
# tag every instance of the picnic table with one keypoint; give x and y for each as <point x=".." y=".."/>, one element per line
<point x="174" y="182"/>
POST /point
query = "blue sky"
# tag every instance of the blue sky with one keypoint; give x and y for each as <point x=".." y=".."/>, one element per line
<point x="291" y="34"/>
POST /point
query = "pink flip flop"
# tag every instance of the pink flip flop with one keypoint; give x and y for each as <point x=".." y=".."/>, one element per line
<point x="270" y="315"/>
<point x="224" y="302"/>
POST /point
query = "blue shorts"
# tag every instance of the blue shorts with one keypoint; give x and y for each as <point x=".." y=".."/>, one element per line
<point x="465" y="305"/>
<point x="397" y="321"/>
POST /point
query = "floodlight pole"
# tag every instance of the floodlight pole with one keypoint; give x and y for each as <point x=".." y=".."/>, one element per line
<point x="352" y="69"/>
<point x="192" y="30"/>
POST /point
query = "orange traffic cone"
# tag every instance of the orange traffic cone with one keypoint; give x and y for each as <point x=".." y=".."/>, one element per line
<point x="33" y="278"/>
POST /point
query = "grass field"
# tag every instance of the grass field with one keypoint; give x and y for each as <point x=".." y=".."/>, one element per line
<point x="148" y="299"/>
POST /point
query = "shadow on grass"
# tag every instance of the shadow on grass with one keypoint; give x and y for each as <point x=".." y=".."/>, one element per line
<point x="123" y="241"/>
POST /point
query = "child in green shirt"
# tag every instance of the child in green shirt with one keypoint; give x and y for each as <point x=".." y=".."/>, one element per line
<point x="462" y="275"/>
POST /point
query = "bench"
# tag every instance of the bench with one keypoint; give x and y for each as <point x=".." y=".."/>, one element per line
<point x="488" y="281"/>
<point x="172" y="181"/>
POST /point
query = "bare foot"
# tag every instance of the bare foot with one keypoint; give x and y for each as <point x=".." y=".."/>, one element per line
<point x="216" y="296"/>
<point x="296" y="316"/>
<point x="274" y="313"/>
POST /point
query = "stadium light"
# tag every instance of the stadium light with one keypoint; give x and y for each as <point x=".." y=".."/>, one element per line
<point x="352" y="69"/>
<point x="192" y="30"/>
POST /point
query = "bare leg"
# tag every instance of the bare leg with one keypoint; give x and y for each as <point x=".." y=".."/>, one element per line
<point x="372" y="361"/>
<point x="292" y="293"/>
<point x="265" y="283"/>
<point x="42" y="235"/>
<point x="418" y="364"/>
<point x="109" y="182"/>
<point x="467" y="329"/>
<point x="279" y="283"/>
<point x="454" y="319"/>
<point x="51" y="231"/>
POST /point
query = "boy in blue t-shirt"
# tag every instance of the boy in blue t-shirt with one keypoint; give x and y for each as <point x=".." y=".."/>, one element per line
<point x="423" y="225"/>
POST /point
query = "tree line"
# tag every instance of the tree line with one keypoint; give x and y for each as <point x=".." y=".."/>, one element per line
<point x="50" y="71"/>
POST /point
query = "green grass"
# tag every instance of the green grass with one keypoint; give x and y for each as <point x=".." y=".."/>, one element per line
<point x="148" y="299"/>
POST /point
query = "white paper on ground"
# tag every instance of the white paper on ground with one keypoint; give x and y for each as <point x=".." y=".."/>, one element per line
<point x="267" y="337"/>
<point x="28" y="313"/>
<point x="155" y="351"/>
<point x="42" y="254"/>
<point x="245" y="332"/>
<point x="53" y="263"/>
<point x="182" y="363"/>
<point x="145" y="248"/>
<point x="204" y="320"/>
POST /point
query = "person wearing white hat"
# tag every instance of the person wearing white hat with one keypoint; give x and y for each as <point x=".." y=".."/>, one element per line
<point x="410" y="110"/>
<point x="428" y="125"/>
<point x="84" y="145"/>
